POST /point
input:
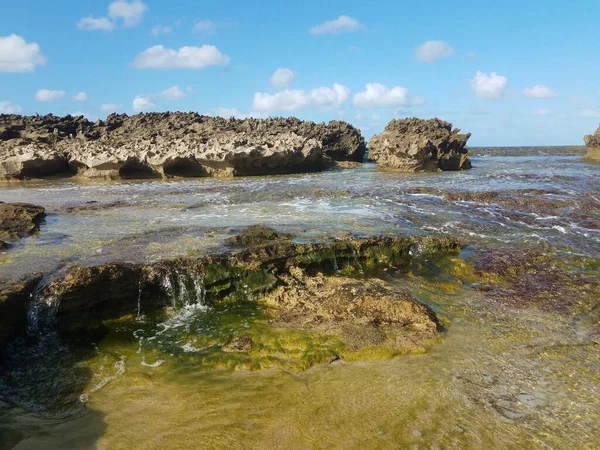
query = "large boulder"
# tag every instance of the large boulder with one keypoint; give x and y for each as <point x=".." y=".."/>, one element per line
<point x="155" y="145"/>
<point x="418" y="145"/>
<point x="592" y="142"/>
<point x="18" y="220"/>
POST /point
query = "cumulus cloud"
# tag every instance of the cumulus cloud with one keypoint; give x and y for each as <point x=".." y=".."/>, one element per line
<point x="91" y="23"/>
<point x="7" y="107"/>
<point x="130" y="12"/>
<point x="159" y="57"/>
<point x="377" y="95"/>
<point x="431" y="51"/>
<point x="47" y="95"/>
<point x="539" y="91"/>
<point x="110" y="107"/>
<point x="16" y="55"/>
<point x="282" y="78"/>
<point x="80" y="97"/>
<point x="292" y="100"/>
<point x="142" y="103"/>
<point x="343" y="24"/>
<point x="542" y="112"/>
<point x="488" y="86"/>
<point x="161" y="29"/>
<point x="172" y="93"/>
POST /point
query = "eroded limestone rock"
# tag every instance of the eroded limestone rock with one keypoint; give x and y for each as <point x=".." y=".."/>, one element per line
<point x="156" y="145"/>
<point x="18" y="220"/>
<point x="592" y="142"/>
<point x="418" y="145"/>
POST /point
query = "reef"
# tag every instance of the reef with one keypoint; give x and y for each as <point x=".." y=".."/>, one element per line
<point x="592" y="142"/>
<point x="162" y="145"/>
<point x="18" y="220"/>
<point x="329" y="287"/>
<point x="418" y="145"/>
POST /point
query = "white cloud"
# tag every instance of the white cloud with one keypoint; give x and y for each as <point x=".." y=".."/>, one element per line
<point x="431" y="51"/>
<point x="16" y="55"/>
<point x="342" y="24"/>
<point x="7" y="107"/>
<point x="542" y="112"/>
<point x="377" y="95"/>
<point x="47" y="95"/>
<point x="172" y="93"/>
<point x="90" y="23"/>
<point x="130" y="12"/>
<point x="539" y="91"/>
<point x="205" y="26"/>
<point x="161" y="29"/>
<point x="142" y="103"/>
<point x="80" y="97"/>
<point x="292" y="100"/>
<point x="282" y="78"/>
<point x="88" y="116"/>
<point x="324" y="97"/>
<point x="110" y="107"/>
<point x="590" y="113"/>
<point x="159" y="57"/>
<point x="488" y="86"/>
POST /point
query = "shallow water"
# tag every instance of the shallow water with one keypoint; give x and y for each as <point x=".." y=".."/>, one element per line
<point x="501" y="377"/>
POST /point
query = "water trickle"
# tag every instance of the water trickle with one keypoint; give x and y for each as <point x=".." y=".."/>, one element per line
<point x="139" y="299"/>
<point x="188" y="291"/>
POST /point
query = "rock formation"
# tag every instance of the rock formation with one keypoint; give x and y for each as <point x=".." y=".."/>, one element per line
<point x="592" y="142"/>
<point x="156" y="145"/>
<point x="418" y="145"/>
<point x="18" y="220"/>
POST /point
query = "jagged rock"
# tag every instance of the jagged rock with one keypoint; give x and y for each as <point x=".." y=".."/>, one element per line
<point x="18" y="220"/>
<point x="418" y="145"/>
<point x="155" y="145"/>
<point x="592" y="142"/>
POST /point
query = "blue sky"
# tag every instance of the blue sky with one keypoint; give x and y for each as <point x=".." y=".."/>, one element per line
<point x="512" y="73"/>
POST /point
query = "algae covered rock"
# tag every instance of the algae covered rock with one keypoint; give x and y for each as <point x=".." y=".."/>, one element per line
<point x="592" y="142"/>
<point x="18" y="220"/>
<point x="418" y="145"/>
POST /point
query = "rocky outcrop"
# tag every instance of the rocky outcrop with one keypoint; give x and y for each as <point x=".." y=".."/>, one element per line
<point x="156" y="145"/>
<point x="18" y="220"/>
<point x="418" y="145"/>
<point x="83" y="298"/>
<point x="592" y="142"/>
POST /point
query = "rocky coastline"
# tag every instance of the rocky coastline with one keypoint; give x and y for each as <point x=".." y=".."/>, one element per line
<point x="163" y="145"/>
<point x="419" y="145"/>
<point x="592" y="142"/>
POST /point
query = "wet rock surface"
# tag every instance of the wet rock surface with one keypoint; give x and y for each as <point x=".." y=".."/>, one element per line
<point x="84" y="297"/>
<point x="159" y="145"/>
<point x="418" y="145"/>
<point x="592" y="142"/>
<point x="18" y="220"/>
<point x="363" y="312"/>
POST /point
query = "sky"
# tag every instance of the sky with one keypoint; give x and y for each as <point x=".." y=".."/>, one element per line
<point x="510" y="72"/>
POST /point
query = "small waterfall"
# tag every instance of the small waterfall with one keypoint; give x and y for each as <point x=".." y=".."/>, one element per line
<point x="187" y="291"/>
<point x="41" y="312"/>
<point x="139" y="299"/>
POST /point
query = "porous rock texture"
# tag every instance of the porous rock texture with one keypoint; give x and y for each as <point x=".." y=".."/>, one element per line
<point x="592" y="142"/>
<point x="18" y="220"/>
<point x="155" y="145"/>
<point x="418" y="145"/>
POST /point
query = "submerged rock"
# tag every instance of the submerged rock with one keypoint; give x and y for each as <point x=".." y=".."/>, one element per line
<point x="363" y="312"/>
<point x="156" y="145"/>
<point x="592" y="142"/>
<point x="18" y="220"/>
<point x="418" y="145"/>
